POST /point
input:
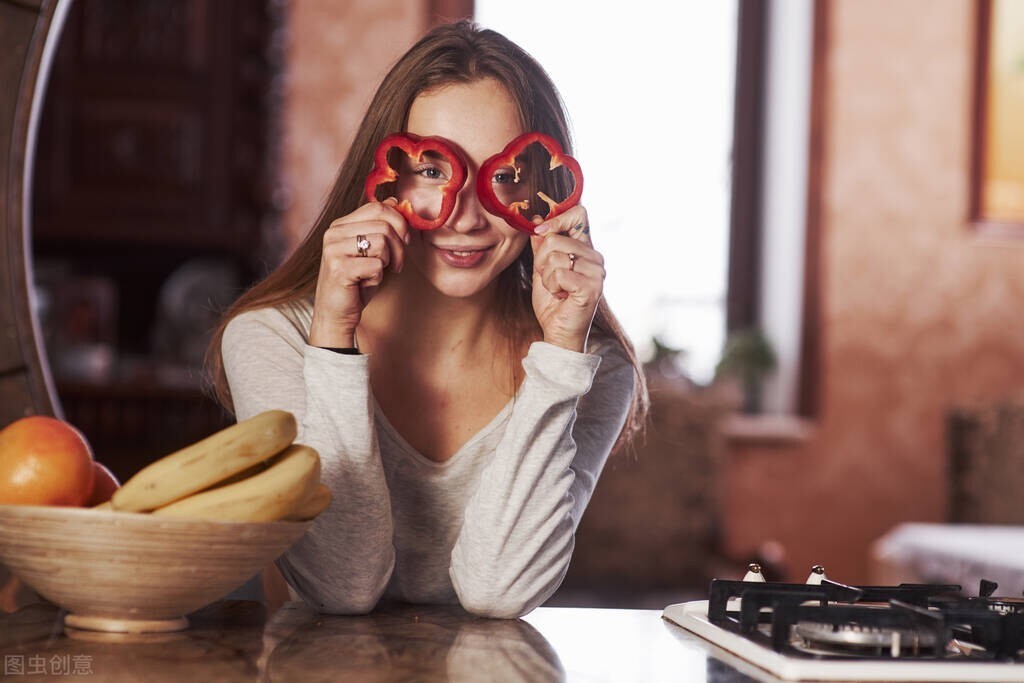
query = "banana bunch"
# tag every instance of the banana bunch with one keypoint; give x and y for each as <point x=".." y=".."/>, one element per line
<point x="248" y="472"/>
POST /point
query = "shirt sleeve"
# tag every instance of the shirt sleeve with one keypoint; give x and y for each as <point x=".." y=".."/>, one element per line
<point x="518" y="533"/>
<point x="344" y="562"/>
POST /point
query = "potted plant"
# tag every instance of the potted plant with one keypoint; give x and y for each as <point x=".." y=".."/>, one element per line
<point x="748" y="357"/>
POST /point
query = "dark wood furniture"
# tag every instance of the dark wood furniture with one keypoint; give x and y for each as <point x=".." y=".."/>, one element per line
<point x="154" y="148"/>
<point x="153" y="135"/>
<point x="25" y="29"/>
<point x="156" y="159"/>
<point x="986" y="463"/>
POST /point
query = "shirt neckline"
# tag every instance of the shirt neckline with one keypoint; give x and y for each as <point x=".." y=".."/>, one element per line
<point x="484" y="432"/>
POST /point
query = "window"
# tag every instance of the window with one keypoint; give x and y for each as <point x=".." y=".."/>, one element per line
<point x="650" y="95"/>
<point x="999" y="145"/>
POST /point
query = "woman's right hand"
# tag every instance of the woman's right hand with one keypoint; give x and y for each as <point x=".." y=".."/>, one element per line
<point x="348" y="280"/>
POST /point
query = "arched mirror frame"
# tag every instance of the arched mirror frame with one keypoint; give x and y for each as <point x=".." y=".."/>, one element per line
<point x="29" y="31"/>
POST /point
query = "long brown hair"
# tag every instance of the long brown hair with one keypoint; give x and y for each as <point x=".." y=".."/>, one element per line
<point x="455" y="53"/>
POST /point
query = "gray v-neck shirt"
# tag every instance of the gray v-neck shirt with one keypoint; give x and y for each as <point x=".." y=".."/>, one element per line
<point x="491" y="528"/>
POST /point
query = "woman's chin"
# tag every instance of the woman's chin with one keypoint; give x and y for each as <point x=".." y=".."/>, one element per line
<point x="460" y="285"/>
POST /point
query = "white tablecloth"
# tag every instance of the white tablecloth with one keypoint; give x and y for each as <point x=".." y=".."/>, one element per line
<point x="953" y="553"/>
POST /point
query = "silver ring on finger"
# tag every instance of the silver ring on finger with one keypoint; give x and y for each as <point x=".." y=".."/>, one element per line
<point x="362" y="245"/>
<point x="572" y="261"/>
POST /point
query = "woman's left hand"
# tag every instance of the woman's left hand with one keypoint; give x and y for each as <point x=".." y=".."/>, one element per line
<point x="568" y="279"/>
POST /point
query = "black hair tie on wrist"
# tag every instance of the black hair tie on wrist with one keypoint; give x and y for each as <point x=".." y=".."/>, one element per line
<point x="344" y="350"/>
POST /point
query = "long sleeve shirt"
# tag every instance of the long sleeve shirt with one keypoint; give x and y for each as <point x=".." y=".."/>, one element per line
<point x="490" y="528"/>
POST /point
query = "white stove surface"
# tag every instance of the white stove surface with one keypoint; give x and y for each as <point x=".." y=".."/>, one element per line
<point x="693" y="616"/>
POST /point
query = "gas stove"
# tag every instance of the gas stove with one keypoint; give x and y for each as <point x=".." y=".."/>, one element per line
<point x="829" y="631"/>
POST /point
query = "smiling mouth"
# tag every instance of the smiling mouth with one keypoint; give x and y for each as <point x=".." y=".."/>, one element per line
<point x="463" y="251"/>
<point x="459" y="256"/>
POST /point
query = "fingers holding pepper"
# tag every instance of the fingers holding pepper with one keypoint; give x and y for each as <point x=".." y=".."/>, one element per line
<point x="383" y="225"/>
<point x="573" y="223"/>
<point x="568" y="236"/>
<point x="357" y="249"/>
<point x="567" y="266"/>
<point x="568" y="279"/>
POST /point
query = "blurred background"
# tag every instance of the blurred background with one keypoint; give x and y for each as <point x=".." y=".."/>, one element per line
<point x="812" y="213"/>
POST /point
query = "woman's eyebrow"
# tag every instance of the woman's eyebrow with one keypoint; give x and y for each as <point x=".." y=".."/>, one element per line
<point x="433" y="155"/>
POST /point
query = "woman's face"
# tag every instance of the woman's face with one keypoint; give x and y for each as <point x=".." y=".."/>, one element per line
<point x="466" y="254"/>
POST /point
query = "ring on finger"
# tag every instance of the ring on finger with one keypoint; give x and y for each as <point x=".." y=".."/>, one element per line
<point x="362" y="245"/>
<point x="572" y="261"/>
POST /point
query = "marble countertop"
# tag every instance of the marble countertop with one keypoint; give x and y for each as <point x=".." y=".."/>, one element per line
<point x="235" y="641"/>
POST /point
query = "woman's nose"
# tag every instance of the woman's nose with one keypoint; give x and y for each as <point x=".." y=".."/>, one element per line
<point x="468" y="214"/>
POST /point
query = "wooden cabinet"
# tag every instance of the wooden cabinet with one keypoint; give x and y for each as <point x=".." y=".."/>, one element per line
<point x="156" y="158"/>
<point x="155" y="129"/>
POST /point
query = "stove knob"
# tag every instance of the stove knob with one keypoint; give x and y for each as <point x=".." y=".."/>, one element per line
<point x="754" y="573"/>
<point x="816" y="576"/>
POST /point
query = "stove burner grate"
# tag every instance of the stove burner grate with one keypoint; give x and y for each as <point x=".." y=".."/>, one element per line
<point x="834" y="620"/>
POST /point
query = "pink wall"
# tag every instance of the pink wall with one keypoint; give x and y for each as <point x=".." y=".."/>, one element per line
<point x="338" y="52"/>
<point x="919" y="313"/>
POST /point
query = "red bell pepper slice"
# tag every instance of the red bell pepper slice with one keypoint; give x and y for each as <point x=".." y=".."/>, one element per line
<point x="512" y="212"/>
<point x="415" y="147"/>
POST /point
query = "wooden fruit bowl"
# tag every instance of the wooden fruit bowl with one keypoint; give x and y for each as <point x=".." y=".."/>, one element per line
<point x="134" y="573"/>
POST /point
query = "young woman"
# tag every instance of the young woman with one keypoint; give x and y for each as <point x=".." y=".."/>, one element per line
<point x="463" y="385"/>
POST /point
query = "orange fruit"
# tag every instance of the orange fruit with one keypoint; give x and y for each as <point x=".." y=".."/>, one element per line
<point x="44" y="461"/>
<point x="103" y="486"/>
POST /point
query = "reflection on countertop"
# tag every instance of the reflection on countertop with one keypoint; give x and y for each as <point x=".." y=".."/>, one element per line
<point x="234" y="641"/>
<point x="403" y="643"/>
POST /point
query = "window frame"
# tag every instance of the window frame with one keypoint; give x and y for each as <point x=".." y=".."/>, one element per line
<point x="982" y="225"/>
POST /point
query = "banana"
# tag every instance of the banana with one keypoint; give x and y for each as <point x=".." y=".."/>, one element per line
<point x="268" y="496"/>
<point x="244" y="474"/>
<point x="207" y="462"/>
<point x="312" y="506"/>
